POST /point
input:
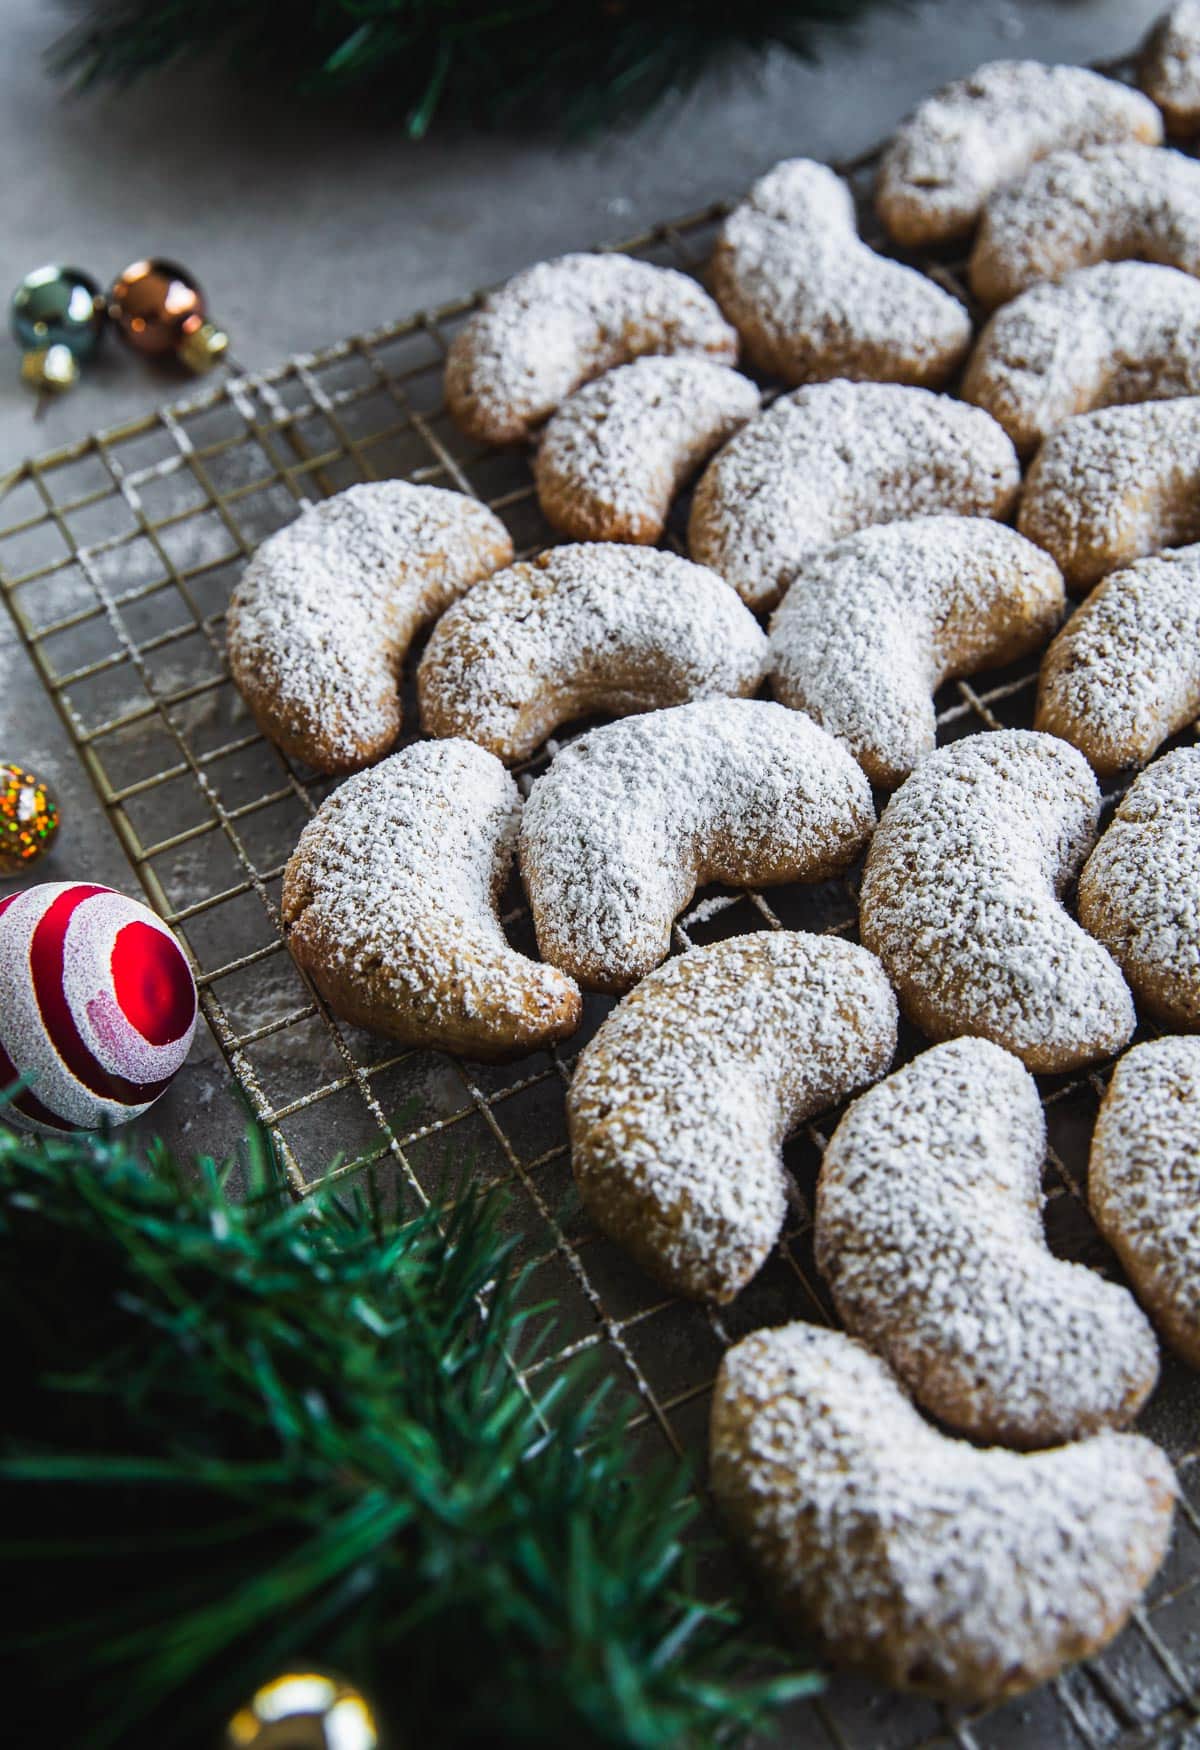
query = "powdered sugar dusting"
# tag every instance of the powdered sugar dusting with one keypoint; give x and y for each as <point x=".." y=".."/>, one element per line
<point x="929" y="1233"/>
<point x="1140" y="891"/>
<point x="1078" y="208"/>
<point x="1112" y="486"/>
<point x="324" y="613"/>
<point x="812" y="301"/>
<point x="836" y="457"/>
<point x="961" y="900"/>
<point x="1144" y="1182"/>
<point x="873" y="625"/>
<point x="966" y="140"/>
<point x="1170" y="66"/>
<point x="558" y="324"/>
<point x="1124" y="673"/>
<point x="1114" y="333"/>
<point x="633" y="817"/>
<point x="969" y="1573"/>
<point x="582" y="629"/>
<point x="680" y="1104"/>
<point x="390" y="899"/>
<point x="614" y="455"/>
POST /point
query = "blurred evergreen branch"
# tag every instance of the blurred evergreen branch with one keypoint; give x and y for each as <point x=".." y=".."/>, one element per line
<point x="575" y="64"/>
<point x="242" y="1433"/>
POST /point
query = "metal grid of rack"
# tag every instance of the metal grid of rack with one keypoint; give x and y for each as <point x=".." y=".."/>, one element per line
<point x="117" y="557"/>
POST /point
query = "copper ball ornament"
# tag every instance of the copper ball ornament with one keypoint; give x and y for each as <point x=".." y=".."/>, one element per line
<point x="28" y="819"/>
<point x="304" y="1710"/>
<point x="159" y="309"/>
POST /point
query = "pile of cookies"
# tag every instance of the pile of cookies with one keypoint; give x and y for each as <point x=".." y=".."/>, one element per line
<point x="861" y="538"/>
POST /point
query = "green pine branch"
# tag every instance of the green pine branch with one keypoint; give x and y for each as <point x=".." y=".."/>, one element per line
<point x="577" y="64"/>
<point x="239" y="1434"/>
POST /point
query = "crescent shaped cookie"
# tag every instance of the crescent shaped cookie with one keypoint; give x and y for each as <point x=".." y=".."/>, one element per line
<point x="1124" y="673"/>
<point x="579" y="630"/>
<point x="323" y="616"/>
<point x="390" y="905"/>
<point x="1122" y="332"/>
<point x="1169" y="69"/>
<point x="836" y="457"/>
<point x="633" y="817"/>
<point x="557" y="325"/>
<point x="614" y="456"/>
<point x="967" y="140"/>
<point x="964" y="1573"/>
<point x="961" y="899"/>
<point x="1075" y="209"/>
<point x="680" y="1104"/>
<point x="1139" y="893"/>
<point x="929" y="1234"/>
<point x="1144" y="1183"/>
<point x="811" y="301"/>
<point x="1113" y="486"/>
<point x="873" y="625"/>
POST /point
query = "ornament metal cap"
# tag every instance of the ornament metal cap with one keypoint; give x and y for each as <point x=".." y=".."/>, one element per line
<point x="52" y="368"/>
<point x="304" y="1710"/>
<point x="203" y="347"/>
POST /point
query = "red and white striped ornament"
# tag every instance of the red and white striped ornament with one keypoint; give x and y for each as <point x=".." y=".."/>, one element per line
<point x="97" y="1006"/>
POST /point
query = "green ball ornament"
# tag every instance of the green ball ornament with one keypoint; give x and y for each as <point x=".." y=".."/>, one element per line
<point x="56" y="315"/>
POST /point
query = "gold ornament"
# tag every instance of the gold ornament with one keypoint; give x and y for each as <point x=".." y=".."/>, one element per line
<point x="28" y="819"/>
<point x="304" y="1710"/>
<point x="52" y="368"/>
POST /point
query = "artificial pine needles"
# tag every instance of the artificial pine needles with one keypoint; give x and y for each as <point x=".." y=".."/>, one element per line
<point x="237" y="1434"/>
<point x="578" y="63"/>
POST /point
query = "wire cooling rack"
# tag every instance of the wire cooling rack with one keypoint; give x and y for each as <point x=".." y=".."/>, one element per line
<point x="117" y="557"/>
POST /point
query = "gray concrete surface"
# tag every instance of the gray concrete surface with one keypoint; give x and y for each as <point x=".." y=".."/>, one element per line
<point x="304" y="227"/>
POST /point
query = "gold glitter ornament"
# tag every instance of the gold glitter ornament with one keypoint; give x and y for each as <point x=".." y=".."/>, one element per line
<point x="304" y="1710"/>
<point x="28" y="819"/>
